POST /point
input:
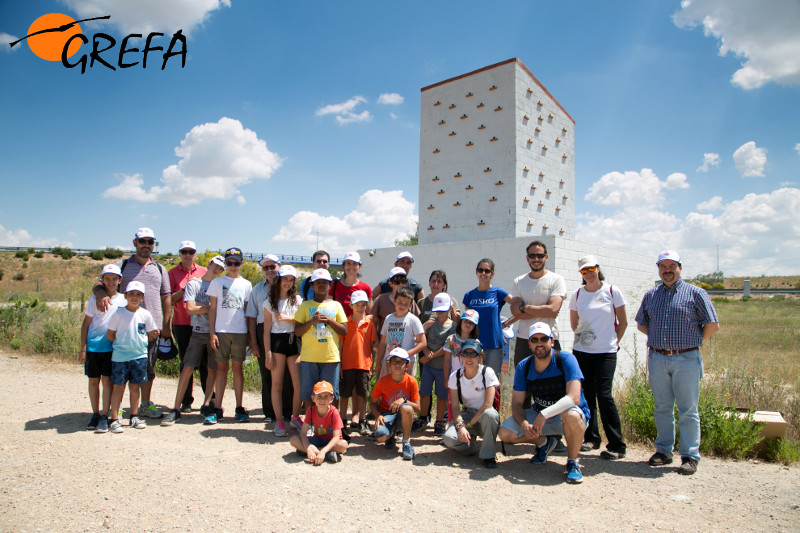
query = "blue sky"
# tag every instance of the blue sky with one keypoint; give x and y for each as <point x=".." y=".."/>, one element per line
<point x="298" y="121"/>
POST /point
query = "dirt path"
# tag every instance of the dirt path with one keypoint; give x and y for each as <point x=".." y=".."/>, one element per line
<point x="55" y="476"/>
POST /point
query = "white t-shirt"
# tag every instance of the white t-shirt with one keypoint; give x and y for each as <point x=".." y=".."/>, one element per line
<point x="231" y="295"/>
<point x="401" y="331"/>
<point x="538" y="292"/>
<point x="596" y="331"/>
<point x="131" y="340"/>
<point x="284" y="308"/>
<point x="96" y="338"/>
<point x="473" y="391"/>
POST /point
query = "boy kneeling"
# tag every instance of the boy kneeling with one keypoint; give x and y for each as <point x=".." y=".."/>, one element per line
<point x="396" y="395"/>
<point x="326" y="443"/>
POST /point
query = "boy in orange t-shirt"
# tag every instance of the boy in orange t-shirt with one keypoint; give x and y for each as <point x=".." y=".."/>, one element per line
<point x="395" y="395"/>
<point x="358" y="348"/>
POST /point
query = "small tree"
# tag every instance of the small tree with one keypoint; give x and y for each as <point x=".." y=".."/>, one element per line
<point x="411" y="239"/>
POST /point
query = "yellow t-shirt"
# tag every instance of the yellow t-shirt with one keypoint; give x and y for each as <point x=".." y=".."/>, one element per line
<point x="320" y="344"/>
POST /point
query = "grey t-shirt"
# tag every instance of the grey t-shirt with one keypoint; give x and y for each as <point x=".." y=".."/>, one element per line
<point x="195" y="291"/>
<point x="436" y="335"/>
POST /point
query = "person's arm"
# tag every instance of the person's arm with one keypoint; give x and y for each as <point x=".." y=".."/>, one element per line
<point x="642" y="328"/>
<point x="379" y="357"/>
<point x="212" y="323"/>
<point x="194" y="308"/>
<point x="376" y="291"/>
<point x="570" y="399"/>
<point x="111" y="335"/>
<point x="101" y="297"/>
<point x="421" y="343"/>
<point x="337" y="434"/>
<point x="517" y="411"/>
<point x="87" y="320"/>
<point x="574" y="319"/>
<point x="548" y="310"/>
<point x="709" y="329"/>
<point x="400" y="401"/>
<point x="166" y="309"/>
<point x="177" y="296"/>
<point x="373" y="408"/>
<point x="488" y="400"/>
<point x="301" y="328"/>
<point x="268" y="339"/>
<point x="458" y="421"/>
<point x="338" y="327"/>
<point x="622" y="322"/>
<point x="251" y="335"/>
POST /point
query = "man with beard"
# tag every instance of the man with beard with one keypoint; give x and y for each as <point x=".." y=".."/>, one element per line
<point x="157" y="300"/>
<point x="553" y="378"/>
<point x="676" y="317"/>
<point x="536" y="297"/>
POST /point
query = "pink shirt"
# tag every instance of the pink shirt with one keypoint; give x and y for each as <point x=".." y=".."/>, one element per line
<point x="178" y="276"/>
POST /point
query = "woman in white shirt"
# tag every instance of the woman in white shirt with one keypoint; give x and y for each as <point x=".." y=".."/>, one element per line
<point x="597" y="316"/>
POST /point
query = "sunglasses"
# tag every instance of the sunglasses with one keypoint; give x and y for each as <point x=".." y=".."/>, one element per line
<point x="187" y="252"/>
<point x="270" y="267"/>
<point x="484" y="270"/>
<point x="146" y="241"/>
<point x="588" y="269"/>
<point x="398" y="281"/>
<point x="469" y="354"/>
<point x="536" y="340"/>
<point x="321" y="261"/>
<point x="536" y="256"/>
<point x="233" y="263"/>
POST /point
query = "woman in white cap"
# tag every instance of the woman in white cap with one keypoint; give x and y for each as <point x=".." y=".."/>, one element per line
<point x="281" y="346"/>
<point x="597" y="316"/>
<point x="342" y="288"/>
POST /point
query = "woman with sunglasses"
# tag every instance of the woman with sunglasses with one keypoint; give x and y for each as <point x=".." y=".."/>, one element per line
<point x="597" y="316"/>
<point x="488" y="300"/>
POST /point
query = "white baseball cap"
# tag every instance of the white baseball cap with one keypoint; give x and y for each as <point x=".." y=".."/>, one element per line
<point x="587" y="261"/>
<point x="135" y="286"/>
<point x="217" y="260"/>
<point x="287" y="270"/>
<point x="669" y="255"/>
<point x="541" y="328"/>
<point x="187" y="244"/>
<point x="145" y="233"/>
<point x="111" y="269"/>
<point x="441" y="302"/>
<point x="352" y="256"/>
<point x="399" y="353"/>
<point x="404" y="254"/>
<point x="269" y="257"/>
<point x="358" y="296"/>
<point x="320" y="273"/>
<point x="396" y="271"/>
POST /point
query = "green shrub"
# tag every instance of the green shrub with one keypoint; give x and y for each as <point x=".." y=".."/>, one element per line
<point x="38" y="255"/>
<point x="19" y="276"/>
<point x="15" y="344"/>
<point x="97" y="255"/>
<point x="725" y="433"/>
<point x="31" y="250"/>
<point x="21" y="254"/>
<point x="638" y="408"/>
<point x="1" y="274"/>
<point x="67" y="253"/>
<point x="112" y="253"/>
<point x="786" y="451"/>
<point x="24" y="265"/>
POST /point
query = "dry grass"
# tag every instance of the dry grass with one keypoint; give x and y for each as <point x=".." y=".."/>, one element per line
<point x="764" y="282"/>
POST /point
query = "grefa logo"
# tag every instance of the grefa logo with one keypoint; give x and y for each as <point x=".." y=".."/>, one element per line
<point x="58" y="37"/>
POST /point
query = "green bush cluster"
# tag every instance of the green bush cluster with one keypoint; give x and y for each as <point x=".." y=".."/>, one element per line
<point x="65" y="253"/>
<point x="21" y="254"/>
<point x="39" y="254"/>
<point x="31" y="250"/>
<point x="97" y="255"/>
<point x="112" y="253"/>
<point x="28" y="324"/>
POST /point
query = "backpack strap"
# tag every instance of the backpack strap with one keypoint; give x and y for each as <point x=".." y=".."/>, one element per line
<point x="305" y="286"/>
<point x="458" y="385"/>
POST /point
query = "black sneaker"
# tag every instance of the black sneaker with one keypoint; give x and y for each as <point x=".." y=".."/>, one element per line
<point x="363" y="428"/>
<point x="206" y="410"/>
<point x="688" y="466"/>
<point x="172" y="417"/>
<point x="92" y="425"/>
<point x="659" y="459"/>
<point x="186" y="408"/>
<point x="490" y="463"/>
<point x="333" y="457"/>
<point x="438" y="428"/>
<point x="611" y="455"/>
<point x="241" y="414"/>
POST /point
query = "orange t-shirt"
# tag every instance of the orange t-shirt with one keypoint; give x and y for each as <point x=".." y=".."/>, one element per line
<point x="357" y="345"/>
<point x="386" y="391"/>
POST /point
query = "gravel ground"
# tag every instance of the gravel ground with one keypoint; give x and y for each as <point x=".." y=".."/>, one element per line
<point x="55" y="476"/>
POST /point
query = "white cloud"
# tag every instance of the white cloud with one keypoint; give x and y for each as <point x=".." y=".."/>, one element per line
<point x="764" y="36"/>
<point x="709" y="160"/>
<point x="390" y="99"/>
<point x="797" y="148"/>
<point x="144" y="16"/>
<point x="5" y="40"/>
<point x="750" y="160"/>
<point x="788" y="184"/>
<point x="21" y="237"/>
<point x="713" y="204"/>
<point x="633" y="188"/>
<point x="393" y="116"/>
<point x="344" y="112"/>
<point x="379" y="218"/>
<point x="217" y="158"/>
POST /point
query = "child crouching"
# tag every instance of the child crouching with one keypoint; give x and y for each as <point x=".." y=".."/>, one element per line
<point x="326" y="444"/>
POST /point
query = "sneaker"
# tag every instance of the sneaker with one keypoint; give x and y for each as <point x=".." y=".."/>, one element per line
<point x="268" y="419"/>
<point x="490" y="463"/>
<point x="116" y="426"/>
<point x="280" y="431"/>
<point x="218" y="413"/>
<point x="172" y="417"/>
<point x="102" y="426"/>
<point x="137" y="423"/>
<point x="589" y="446"/>
<point x="391" y="443"/>
<point x="93" y="421"/>
<point x="560" y="449"/>
<point x="574" y="475"/>
<point x="241" y="414"/>
<point x="355" y="425"/>
<point x="659" y="459"/>
<point x="296" y="423"/>
<point x="438" y="428"/>
<point x="346" y="435"/>
<point x="544" y="450"/>
<point x="363" y="428"/>
<point x="333" y="457"/>
<point x="206" y="410"/>
<point x="420" y="423"/>
<point x="186" y="408"/>
<point x="688" y="466"/>
<point x="150" y="411"/>
<point x="611" y="456"/>
<point x="408" y="451"/>
<point x="210" y="420"/>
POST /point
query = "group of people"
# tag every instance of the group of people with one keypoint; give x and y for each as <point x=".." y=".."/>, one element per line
<point x="323" y="341"/>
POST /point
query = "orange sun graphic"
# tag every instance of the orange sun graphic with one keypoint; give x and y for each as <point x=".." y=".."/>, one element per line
<point x="50" y="45"/>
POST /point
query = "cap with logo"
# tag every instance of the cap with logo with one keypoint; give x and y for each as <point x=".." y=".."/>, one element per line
<point x="135" y="286"/>
<point x="323" y="386"/>
<point x="669" y="255"/>
<point x="441" y="302"/>
<point x="352" y="256"/>
<point x="111" y="269"/>
<point x="321" y="273"/>
<point x="471" y="315"/>
<point x="587" y="261"/>
<point x="472" y="344"/>
<point x="540" y="328"/>
<point x="358" y="296"/>
<point x="287" y="270"/>
<point x="217" y="260"/>
<point x="404" y="254"/>
<point x="397" y="271"/>
<point x="234" y="253"/>
<point x="145" y="233"/>
<point x="399" y="353"/>
<point x="187" y="245"/>
<point x="269" y="257"/>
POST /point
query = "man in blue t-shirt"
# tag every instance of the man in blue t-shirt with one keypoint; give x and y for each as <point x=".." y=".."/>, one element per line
<point x="557" y="408"/>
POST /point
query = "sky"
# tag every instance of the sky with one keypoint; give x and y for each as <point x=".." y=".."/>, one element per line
<point x="295" y="125"/>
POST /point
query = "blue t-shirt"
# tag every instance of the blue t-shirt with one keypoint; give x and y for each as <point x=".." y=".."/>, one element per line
<point x="571" y="371"/>
<point x="488" y="305"/>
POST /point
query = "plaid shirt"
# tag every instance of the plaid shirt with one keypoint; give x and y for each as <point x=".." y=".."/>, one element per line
<point x="675" y="316"/>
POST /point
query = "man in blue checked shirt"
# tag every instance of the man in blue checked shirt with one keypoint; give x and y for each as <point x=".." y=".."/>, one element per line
<point x="676" y="317"/>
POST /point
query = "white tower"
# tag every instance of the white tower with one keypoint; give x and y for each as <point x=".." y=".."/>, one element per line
<point x="496" y="158"/>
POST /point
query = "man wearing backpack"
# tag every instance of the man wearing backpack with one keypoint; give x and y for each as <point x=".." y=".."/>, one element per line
<point x="320" y="259"/>
<point x="553" y="378"/>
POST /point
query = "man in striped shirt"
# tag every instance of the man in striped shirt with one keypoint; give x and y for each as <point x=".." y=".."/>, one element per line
<point x="676" y="317"/>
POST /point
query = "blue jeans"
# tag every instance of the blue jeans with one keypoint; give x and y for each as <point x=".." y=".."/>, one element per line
<point x="311" y="373"/>
<point x="675" y="380"/>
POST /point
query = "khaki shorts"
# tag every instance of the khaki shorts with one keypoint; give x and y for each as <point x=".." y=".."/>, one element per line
<point x="198" y="350"/>
<point x="231" y="347"/>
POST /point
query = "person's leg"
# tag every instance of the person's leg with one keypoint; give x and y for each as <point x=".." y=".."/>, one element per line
<point x="362" y="407"/>
<point x="94" y="394"/>
<point x="183" y="383"/>
<point x="574" y="428"/>
<point x="116" y="400"/>
<point x="297" y="442"/>
<point x="330" y="372"/>
<point x="487" y="427"/>
<point x="267" y="406"/>
<point x="107" y="388"/>
<point x="406" y="419"/>
<point x="182" y="334"/>
<point x="134" y="393"/>
<point x="209" y="362"/>
<point x="386" y="430"/>
<point x="152" y="357"/>
<point x="441" y="394"/>
<point x="688" y="370"/>
<point x="659" y="369"/>
<point x="425" y="391"/>
<point x="588" y="364"/>
<point x="221" y="382"/>
<point x="604" y="379"/>
<point x="510" y="432"/>
<point x="276" y="379"/>
<point x="345" y="392"/>
<point x="450" y="440"/>
<point x="494" y="359"/>
<point x="521" y="350"/>
<point x="238" y="381"/>
<point x="293" y="365"/>
<point x="309" y="376"/>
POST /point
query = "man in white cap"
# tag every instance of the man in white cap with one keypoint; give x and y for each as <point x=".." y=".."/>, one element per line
<point x="157" y="300"/>
<point x="405" y="261"/>
<point x="181" y="323"/>
<point x="676" y="317"/>
<point x="553" y="378"/>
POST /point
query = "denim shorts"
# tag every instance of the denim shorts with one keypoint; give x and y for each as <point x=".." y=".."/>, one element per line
<point x="312" y="373"/>
<point x="124" y="371"/>
<point x="429" y="377"/>
<point x="387" y="429"/>
<point x="552" y="427"/>
<point x="319" y="442"/>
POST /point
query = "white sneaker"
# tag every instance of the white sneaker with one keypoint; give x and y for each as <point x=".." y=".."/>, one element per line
<point x="137" y="423"/>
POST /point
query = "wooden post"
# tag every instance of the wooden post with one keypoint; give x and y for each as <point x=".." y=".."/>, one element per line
<point x="83" y="303"/>
<point x="69" y="303"/>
